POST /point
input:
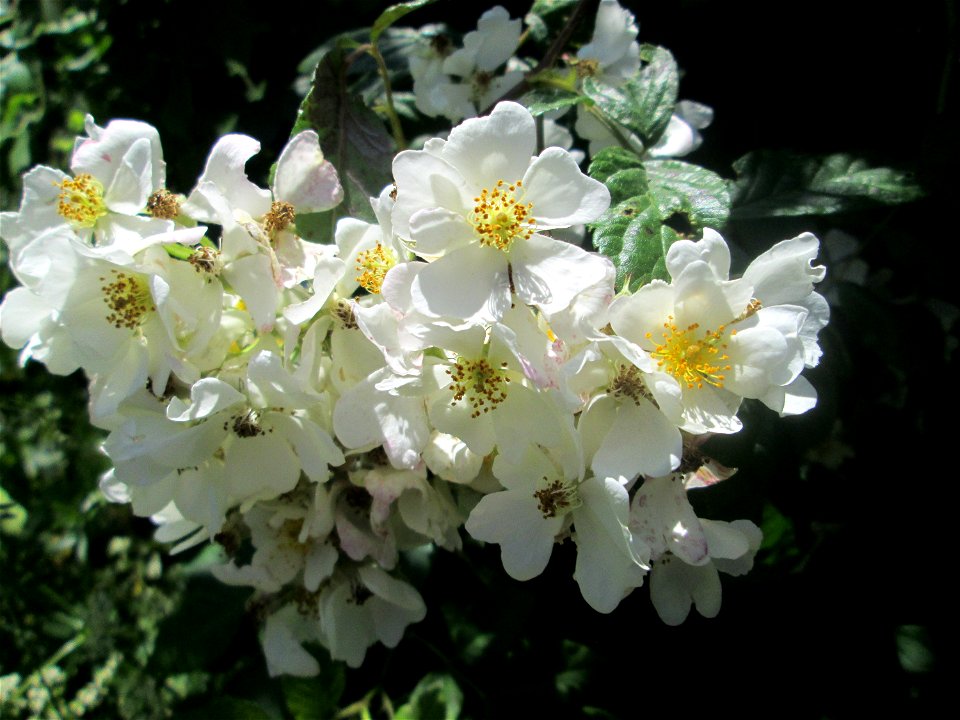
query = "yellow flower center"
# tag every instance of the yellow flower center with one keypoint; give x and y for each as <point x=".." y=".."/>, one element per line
<point x="499" y="217"/>
<point x="480" y="383"/>
<point x="374" y="265"/>
<point x="692" y="356"/>
<point x="81" y="200"/>
<point x="128" y="297"/>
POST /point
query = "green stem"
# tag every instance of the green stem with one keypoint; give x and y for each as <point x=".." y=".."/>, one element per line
<point x="610" y="125"/>
<point x="391" y="110"/>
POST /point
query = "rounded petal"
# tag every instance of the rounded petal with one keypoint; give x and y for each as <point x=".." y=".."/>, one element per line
<point x="496" y="147"/>
<point x="304" y="178"/>
<point x="471" y="282"/>
<point x="561" y="194"/>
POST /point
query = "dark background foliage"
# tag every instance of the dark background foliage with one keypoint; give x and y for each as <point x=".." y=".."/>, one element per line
<point x="847" y="609"/>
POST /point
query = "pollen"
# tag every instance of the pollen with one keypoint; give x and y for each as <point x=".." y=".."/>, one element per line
<point x="81" y="200"/>
<point x="500" y="217"/>
<point x="206" y="260"/>
<point x="281" y="216"/>
<point x="479" y="383"/>
<point x="373" y="266"/>
<point x="628" y="383"/>
<point x="587" y="67"/>
<point x="128" y="298"/>
<point x="556" y="497"/>
<point x="247" y="425"/>
<point x="691" y="355"/>
<point x="163" y="204"/>
<point x="343" y="312"/>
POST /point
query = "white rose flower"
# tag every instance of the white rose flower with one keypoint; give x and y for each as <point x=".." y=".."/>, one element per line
<point x="477" y="206"/>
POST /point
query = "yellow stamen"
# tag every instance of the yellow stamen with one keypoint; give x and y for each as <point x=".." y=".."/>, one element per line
<point x="374" y="265"/>
<point x="692" y="356"/>
<point x="81" y="200"/>
<point x="499" y="216"/>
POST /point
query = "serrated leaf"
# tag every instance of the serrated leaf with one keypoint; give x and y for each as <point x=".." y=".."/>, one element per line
<point x="644" y="103"/>
<point x="435" y="696"/>
<point x="633" y="236"/>
<point x="774" y="183"/>
<point x="611" y="160"/>
<point x="393" y="13"/>
<point x="699" y="193"/>
<point x="317" y="697"/>
<point x="544" y="100"/>
<point x="352" y="137"/>
<point x="626" y="184"/>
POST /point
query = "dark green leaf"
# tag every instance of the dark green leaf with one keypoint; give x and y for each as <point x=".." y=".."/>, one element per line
<point x="626" y="184"/>
<point x="696" y="192"/>
<point x="435" y="697"/>
<point x="645" y="103"/>
<point x="773" y="183"/>
<point x="318" y="697"/>
<point x="613" y="159"/>
<point x="633" y="236"/>
<point x="544" y="100"/>
<point x="393" y="13"/>
<point x="352" y="137"/>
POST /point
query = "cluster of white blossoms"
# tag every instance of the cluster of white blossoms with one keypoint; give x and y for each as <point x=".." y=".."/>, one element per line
<point x="319" y="409"/>
<point x="460" y="82"/>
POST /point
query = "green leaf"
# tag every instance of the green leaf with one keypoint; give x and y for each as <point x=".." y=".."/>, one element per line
<point x="435" y="696"/>
<point x="393" y="13"/>
<point x="318" y="697"/>
<point x="645" y="103"/>
<point x="546" y="14"/>
<point x="633" y="236"/>
<point x="774" y="183"/>
<point x="352" y="137"/>
<point x="698" y="193"/>
<point x="544" y="100"/>
<point x="613" y="159"/>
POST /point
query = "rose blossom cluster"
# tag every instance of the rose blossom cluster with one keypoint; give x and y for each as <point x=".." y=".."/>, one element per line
<point x="324" y="408"/>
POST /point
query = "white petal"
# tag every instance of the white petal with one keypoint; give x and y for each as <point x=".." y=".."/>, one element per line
<point x="471" y="282"/>
<point x="496" y="147"/>
<point x="550" y="273"/>
<point x="281" y="645"/>
<point x="225" y="170"/>
<point x="561" y="194"/>
<point x="436" y="231"/>
<point x="514" y="521"/>
<point x="304" y="178"/>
